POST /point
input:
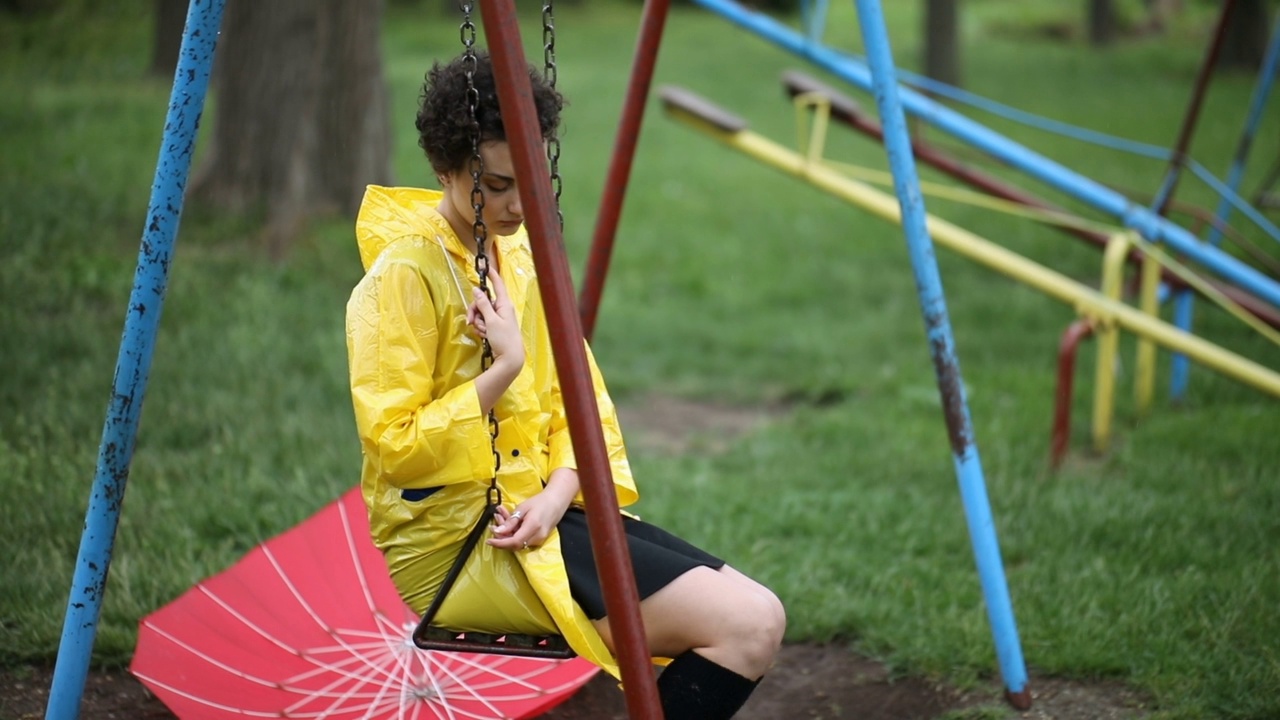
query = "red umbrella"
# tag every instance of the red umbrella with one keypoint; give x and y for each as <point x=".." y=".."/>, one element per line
<point x="309" y="625"/>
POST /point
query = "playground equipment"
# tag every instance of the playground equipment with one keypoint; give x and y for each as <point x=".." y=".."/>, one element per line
<point x="806" y="90"/>
<point x="964" y="448"/>
<point x="877" y="76"/>
<point x="1150" y="225"/>
<point x="133" y="365"/>
<point x="1104" y="306"/>
<point x="1243" y="284"/>
<point x="146" y="301"/>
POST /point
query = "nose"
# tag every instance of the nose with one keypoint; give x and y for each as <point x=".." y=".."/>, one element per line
<point x="516" y="208"/>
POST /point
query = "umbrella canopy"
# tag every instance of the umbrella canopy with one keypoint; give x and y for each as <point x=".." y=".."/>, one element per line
<point x="309" y="625"/>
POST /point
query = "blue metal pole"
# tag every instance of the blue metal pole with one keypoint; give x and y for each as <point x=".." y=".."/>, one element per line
<point x="955" y="406"/>
<point x="133" y="365"/>
<point x="1184" y="301"/>
<point x="814" y="13"/>
<point x="1147" y="223"/>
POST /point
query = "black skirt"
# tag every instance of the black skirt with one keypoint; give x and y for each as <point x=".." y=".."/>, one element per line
<point x="657" y="558"/>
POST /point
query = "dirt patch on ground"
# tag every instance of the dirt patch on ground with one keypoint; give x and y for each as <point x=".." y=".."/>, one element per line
<point x="808" y="682"/>
<point x="826" y="682"/>
<point x="666" y="425"/>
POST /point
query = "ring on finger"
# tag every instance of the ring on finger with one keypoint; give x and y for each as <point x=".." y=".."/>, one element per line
<point x="517" y="515"/>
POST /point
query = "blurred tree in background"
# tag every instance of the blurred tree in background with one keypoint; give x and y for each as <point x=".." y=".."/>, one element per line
<point x="1246" y="42"/>
<point x="1101" y="24"/>
<point x="170" y="17"/>
<point x="301" y="122"/>
<point x="942" y="41"/>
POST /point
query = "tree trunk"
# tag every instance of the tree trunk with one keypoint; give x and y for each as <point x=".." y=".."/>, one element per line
<point x="170" y="19"/>
<point x="1245" y="43"/>
<point x="301" y="124"/>
<point x="1102" y="22"/>
<point x="941" y="41"/>
<point x="1160" y="14"/>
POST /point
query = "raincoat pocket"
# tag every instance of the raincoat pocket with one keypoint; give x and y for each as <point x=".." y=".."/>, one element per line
<point x="419" y="494"/>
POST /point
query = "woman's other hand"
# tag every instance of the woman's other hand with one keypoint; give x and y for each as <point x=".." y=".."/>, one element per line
<point x="495" y="320"/>
<point x="531" y="522"/>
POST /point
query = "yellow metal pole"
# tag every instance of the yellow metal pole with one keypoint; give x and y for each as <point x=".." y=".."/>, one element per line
<point x="1145" y="366"/>
<point x="1104" y="385"/>
<point x="1085" y="300"/>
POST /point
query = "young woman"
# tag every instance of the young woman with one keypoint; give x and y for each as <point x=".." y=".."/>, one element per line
<point x="416" y="324"/>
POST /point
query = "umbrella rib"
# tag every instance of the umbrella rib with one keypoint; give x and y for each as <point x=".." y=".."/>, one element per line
<point x="458" y="682"/>
<point x="293" y="590"/>
<point x="355" y="558"/>
<point x="303" y="654"/>
<point x="494" y="670"/>
<point x="338" y="705"/>
<point x="207" y="658"/>
<point x="203" y="701"/>
<point x="371" y="663"/>
<point x="284" y="577"/>
<point x="244" y="620"/>
<point x="426" y="660"/>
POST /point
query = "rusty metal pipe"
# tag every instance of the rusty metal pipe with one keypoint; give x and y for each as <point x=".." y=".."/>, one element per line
<point x="1075" y="333"/>
<point x="652" y="22"/>
<point x="613" y="561"/>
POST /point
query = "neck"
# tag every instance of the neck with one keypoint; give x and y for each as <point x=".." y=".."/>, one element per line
<point x="464" y="230"/>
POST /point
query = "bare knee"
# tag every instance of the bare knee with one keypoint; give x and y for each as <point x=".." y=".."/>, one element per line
<point x="761" y="629"/>
<point x="727" y="617"/>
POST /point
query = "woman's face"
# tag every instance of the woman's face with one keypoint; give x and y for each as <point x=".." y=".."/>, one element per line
<point x="502" y="213"/>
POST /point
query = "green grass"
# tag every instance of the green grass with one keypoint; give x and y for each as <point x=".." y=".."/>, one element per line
<point x="1155" y="564"/>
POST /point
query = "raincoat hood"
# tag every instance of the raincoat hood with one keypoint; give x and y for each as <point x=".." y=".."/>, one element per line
<point x="388" y="214"/>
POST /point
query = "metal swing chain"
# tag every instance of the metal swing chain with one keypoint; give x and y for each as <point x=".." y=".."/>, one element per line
<point x="425" y="636"/>
<point x="478" y="228"/>
<point x="493" y="496"/>
<point x="550" y="72"/>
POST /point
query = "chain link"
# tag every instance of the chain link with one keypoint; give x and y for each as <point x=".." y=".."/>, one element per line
<point x="478" y="228"/>
<point x="550" y="72"/>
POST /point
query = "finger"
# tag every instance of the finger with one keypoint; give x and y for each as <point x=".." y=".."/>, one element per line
<point x="506" y="543"/>
<point x="512" y="521"/>
<point x="482" y="304"/>
<point x="519" y="541"/>
<point x="499" y="288"/>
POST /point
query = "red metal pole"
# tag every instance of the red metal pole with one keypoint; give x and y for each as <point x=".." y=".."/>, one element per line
<point x="652" y="21"/>
<point x="613" y="561"/>
<point x="1193" y="110"/>
<point x="1071" y="337"/>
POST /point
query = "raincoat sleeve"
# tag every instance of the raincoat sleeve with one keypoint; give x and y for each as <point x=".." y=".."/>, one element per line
<point x="560" y="444"/>
<point x="416" y="434"/>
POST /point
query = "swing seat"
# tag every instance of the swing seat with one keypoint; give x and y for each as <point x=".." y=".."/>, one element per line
<point x="540" y="646"/>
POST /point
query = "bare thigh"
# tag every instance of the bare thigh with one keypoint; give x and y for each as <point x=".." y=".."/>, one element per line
<point x="723" y="614"/>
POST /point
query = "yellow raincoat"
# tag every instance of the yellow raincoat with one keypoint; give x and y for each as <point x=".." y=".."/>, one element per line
<point x="413" y="362"/>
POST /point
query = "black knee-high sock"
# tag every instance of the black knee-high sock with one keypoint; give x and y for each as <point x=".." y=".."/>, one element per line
<point x="695" y="688"/>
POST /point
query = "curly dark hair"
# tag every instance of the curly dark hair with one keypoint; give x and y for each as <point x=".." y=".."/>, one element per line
<point x="444" y="117"/>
